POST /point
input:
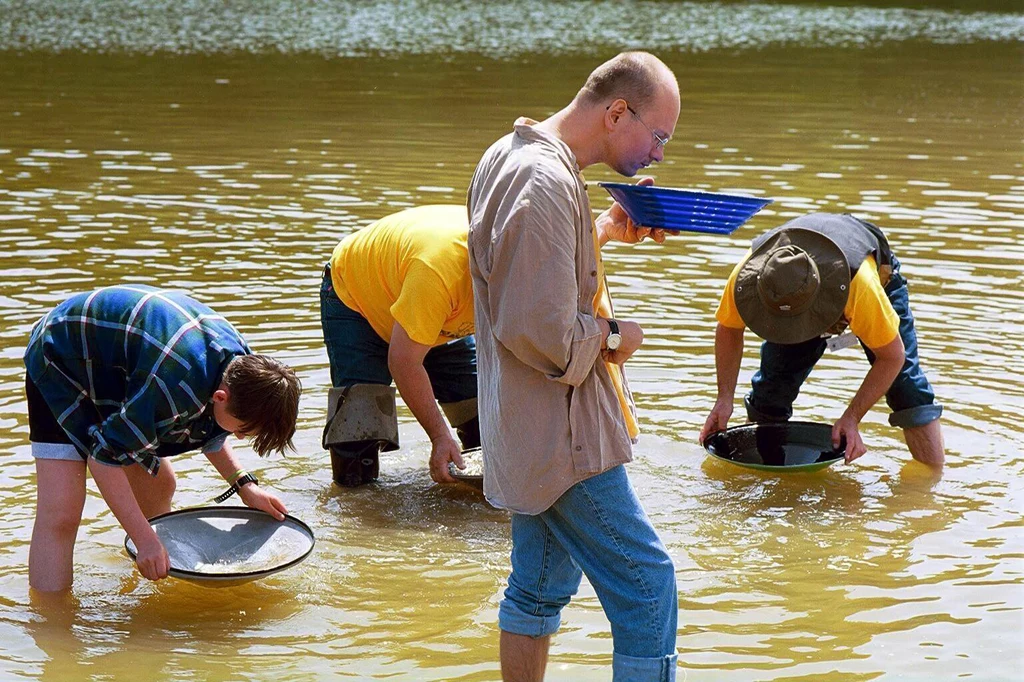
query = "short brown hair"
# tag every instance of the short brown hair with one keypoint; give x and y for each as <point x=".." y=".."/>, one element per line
<point x="633" y="76"/>
<point x="263" y="394"/>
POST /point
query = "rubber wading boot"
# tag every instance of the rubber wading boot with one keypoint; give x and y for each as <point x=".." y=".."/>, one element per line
<point x="463" y="417"/>
<point x="362" y="422"/>
<point x="469" y="434"/>
<point x="354" y="464"/>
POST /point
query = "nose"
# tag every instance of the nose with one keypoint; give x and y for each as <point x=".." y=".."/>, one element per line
<point x="659" y="153"/>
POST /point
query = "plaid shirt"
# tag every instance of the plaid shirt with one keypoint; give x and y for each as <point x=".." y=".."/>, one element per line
<point x="129" y="372"/>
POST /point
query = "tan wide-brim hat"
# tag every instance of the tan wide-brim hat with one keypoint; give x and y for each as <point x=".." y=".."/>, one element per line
<point x="793" y="287"/>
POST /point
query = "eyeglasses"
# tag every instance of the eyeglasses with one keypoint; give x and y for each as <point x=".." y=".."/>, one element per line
<point x="659" y="141"/>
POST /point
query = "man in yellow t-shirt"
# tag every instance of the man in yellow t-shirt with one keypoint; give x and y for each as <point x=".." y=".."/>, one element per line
<point x="802" y="283"/>
<point x="397" y="302"/>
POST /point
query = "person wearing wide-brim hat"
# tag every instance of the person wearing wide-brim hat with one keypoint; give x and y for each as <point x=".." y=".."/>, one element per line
<point x="799" y="289"/>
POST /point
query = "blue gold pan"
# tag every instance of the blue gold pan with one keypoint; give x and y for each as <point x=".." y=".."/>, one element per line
<point x="683" y="209"/>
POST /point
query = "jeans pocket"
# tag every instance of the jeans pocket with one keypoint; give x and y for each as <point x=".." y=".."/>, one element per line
<point x="327" y="284"/>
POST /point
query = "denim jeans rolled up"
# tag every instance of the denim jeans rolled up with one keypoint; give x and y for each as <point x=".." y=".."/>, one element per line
<point x="597" y="528"/>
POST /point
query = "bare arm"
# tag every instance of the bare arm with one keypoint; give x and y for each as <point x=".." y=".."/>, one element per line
<point x="405" y="361"/>
<point x="728" y="355"/>
<point x="113" y="484"/>
<point x="251" y="494"/>
<point x="888" y="362"/>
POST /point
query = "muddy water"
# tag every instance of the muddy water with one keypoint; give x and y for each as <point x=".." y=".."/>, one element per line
<point x="227" y="156"/>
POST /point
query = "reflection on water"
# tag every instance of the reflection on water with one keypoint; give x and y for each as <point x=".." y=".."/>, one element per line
<point x="233" y="175"/>
<point x="839" y="550"/>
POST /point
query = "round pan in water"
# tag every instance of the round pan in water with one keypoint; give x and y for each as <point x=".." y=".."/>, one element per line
<point x="474" y="464"/>
<point x="783" y="446"/>
<point x="220" y="546"/>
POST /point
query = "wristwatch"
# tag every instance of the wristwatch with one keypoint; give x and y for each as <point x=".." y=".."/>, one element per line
<point x="236" y="486"/>
<point x="614" y="339"/>
<point x="248" y="478"/>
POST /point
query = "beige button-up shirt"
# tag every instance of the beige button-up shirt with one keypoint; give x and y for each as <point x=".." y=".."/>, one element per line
<point x="549" y="412"/>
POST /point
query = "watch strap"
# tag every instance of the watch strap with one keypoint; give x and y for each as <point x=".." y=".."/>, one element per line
<point x="236" y="486"/>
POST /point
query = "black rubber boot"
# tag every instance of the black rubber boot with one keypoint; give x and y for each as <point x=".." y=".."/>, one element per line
<point x="469" y="433"/>
<point x="756" y="416"/>
<point x="354" y="464"/>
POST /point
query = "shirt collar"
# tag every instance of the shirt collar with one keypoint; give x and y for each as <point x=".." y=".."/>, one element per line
<point x="526" y="128"/>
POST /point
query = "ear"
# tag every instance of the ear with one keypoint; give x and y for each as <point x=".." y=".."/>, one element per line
<point x="614" y="112"/>
<point x="221" y="395"/>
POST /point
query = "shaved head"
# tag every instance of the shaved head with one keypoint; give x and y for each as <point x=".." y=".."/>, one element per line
<point x="637" y="77"/>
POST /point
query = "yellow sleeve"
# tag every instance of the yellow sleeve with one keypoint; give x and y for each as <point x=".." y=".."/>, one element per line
<point x="872" y="317"/>
<point x="423" y="305"/>
<point x="727" y="314"/>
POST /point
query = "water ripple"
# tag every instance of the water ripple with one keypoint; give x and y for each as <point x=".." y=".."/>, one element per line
<point x="500" y="29"/>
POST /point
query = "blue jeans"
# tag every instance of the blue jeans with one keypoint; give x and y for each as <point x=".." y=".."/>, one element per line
<point x="599" y="528"/>
<point x="784" y="367"/>
<point x="359" y="356"/>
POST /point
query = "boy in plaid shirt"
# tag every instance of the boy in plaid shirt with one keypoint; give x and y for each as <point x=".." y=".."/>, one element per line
<point x="122" y="377"/>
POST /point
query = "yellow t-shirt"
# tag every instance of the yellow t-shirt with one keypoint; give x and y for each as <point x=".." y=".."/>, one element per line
<point x="411" y="268"/>
<point x="870" y="314"/>
<point x="603" y="308"/>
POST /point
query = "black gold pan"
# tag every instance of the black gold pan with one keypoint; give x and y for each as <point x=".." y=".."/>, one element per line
<point x="784" y="447"/>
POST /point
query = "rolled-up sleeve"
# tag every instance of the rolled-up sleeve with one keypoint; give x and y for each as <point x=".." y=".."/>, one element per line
<point x="533" y="293"/>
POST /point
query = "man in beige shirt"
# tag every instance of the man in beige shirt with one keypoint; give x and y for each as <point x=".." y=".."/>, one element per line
<point x="556" y="415"/>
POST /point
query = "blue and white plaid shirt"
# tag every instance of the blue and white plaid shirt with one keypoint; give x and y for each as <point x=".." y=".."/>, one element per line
<point x="129" y="372"/>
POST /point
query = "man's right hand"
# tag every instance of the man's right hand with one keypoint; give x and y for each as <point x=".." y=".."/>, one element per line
<point x="718" y="420"/>
<point x="443" y="450"/>
<point x="152" y="558"/>
<point x="632" y="338"/>
<point x="846" y="429"/>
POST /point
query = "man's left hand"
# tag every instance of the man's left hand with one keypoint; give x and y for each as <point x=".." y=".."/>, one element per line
<point x="615" y="225"/>
<point x="846" y="427"/>
<point x="258" y="498"/>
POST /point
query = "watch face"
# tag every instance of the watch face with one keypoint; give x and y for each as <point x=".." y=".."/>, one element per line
<point x="613" y="341"/>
